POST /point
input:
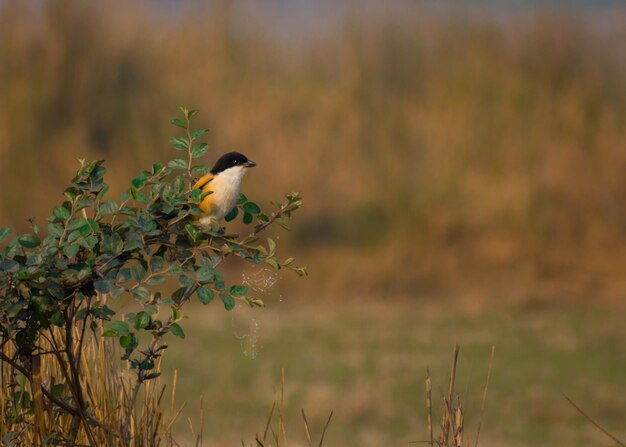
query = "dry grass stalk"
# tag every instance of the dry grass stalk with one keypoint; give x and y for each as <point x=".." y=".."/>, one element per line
<point x="452" y="427"/>
<point x="596" y="424"/>
<point x="279" y="434"/>
<point x="40" y="411"/>
<point x="429" y="405"/>
<point x="307" y="432"/>
<point x="447" y="418"/>
<point x="482" y="405"/>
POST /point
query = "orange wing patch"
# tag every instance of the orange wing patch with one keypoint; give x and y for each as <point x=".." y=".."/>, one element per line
<point x="204" y="183"/>
<point x="204" y="180"/>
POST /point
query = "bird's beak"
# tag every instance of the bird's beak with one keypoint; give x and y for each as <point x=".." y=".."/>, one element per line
<point x="249" y="164"/>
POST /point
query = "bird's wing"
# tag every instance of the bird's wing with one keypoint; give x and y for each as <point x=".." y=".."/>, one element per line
<point x="207" y="205"/>
<point x="203" y="181"/>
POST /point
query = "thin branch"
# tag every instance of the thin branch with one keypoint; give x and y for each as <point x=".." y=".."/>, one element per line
<point x="14" y="364"/>
<point x="59" y="402"/>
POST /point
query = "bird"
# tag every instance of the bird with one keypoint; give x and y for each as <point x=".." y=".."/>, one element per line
<point x="223" y="182"/>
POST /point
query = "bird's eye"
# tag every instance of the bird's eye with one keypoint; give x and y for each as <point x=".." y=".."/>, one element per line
<point x="236" y="162"/>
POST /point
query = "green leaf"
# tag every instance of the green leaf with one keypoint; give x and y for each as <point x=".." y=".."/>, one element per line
<point x="73" y="236"/>
<point x="142" y="320"/>
<point x="192" y="231"/>
<point x="61" y="213"/>
<point x="272" y="262"/>
<point x="156" y="280"/>
<point x="156" y="263"/>
<point x="199" y="150"/>
<point x="179" y="122"/>
<point x="199" y="170"/>
<point x="151" y="376"/>
<point x="141" y="293"/>
<point x="232" y="215"/>
<point x="4" y="232"/>
<point x="119" y="327"/>
<point x="108" y="207"/>
<point x="55" y="229"/>
<point x="129" y="342"/>
<point x="178" y="163"/>
<point x="173" y="269"/>
<point x="191" y="113"/>
<point x="185" y="281"/>
<point x="138" y="271"/>
<point x="229" y="301"/>
<point x="205" y="274"/>
<point x="126" y="341"/>
<point x="195" y="195"/>
<point x="70" y="250"/>
<point x="251" y="207"/>
<point x="205" y="295"/>
<point x="247" y="218"/>
<point x="238" y="291"/>
<point x="157" y="168"/>
<point x="93" y="225"/>
<point x="76" y="223"/>
<point x="102" y="285"/>
<point x="85" y="230"/>
<point x="271" y="244"/>
<point x="241" y="199"/>
<point x="177" y="330"/>
<point x="180" y="143"/>
<point x="124" y="274"/>
<point x="138" y="182"/>
<point x="198" y="133"/>
<point x="29" y="240"/>
<point x="112" y="245"/>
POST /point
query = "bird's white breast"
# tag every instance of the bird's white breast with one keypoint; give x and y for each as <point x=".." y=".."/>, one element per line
<point x="225" y="187"/>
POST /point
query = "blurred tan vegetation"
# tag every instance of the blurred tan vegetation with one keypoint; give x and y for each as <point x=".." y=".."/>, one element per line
<point x="432" y="151"/>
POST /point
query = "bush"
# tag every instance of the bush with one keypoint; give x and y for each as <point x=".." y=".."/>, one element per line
<point x="62" y="384"/>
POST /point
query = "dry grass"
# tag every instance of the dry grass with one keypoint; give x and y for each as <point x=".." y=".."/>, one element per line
<point x="274" y="433"/>
<point x="30" y="418"/>
<point x="453" y="430"/>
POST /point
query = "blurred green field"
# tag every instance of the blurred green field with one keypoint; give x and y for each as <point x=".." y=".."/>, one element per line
<point x="367" y="363"/>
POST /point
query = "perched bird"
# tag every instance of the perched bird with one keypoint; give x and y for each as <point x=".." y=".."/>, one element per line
<point x="223" y="181"/>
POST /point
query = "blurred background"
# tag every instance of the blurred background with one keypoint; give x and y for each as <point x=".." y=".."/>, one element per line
<point x="463" y="167"/>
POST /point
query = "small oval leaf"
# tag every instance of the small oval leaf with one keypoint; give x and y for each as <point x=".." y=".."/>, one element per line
<point x="177" y="330"/>
<point x="29" y="240"/>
